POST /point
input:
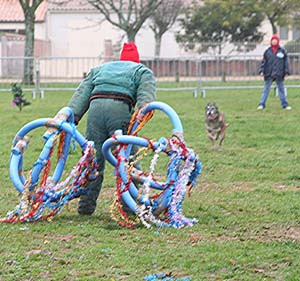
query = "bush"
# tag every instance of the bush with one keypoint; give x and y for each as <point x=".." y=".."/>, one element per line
<point x="293" y="46"/>
<point x="19" y="98"/>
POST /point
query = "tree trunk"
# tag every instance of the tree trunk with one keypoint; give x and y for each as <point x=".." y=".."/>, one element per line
<point x="274" y="28"/>
<point x="220" y="49"/>
<point x="157" y="45"/>
<point x="131" y="36"/>
<point x="29" y="47"/>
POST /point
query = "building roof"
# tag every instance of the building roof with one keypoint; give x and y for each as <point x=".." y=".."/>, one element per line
<point x="11" y="11"/>
<point x="70" y="5"/>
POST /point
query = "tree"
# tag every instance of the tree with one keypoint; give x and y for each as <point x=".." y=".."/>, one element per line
<point x="279" y="12"/>
<point x="218" y="22"/>
<point x="163" y="19"/>
<point x="128" y="15"/>
<point x="29" y="7"/>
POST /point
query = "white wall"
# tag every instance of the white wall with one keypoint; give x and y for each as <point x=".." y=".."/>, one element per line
<point x="169" y="47"/>
<point x="79" y="34"/>
<point x="84" y="34"/>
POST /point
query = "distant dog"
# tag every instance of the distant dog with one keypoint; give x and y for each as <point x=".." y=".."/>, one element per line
<point x="215" y="124"/>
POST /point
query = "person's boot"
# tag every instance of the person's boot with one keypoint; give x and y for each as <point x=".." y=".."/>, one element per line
<point x="88" y="202"/>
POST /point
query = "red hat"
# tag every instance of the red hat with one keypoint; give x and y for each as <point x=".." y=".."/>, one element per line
<point x="276" y="45"/>
<point x="275" y="36"/>
<point x="130" y="53"/>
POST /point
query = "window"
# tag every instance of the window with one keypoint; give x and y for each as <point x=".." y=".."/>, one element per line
<point x="296" y="33"/>
<point x="284" y="32"/>
<point x="14" y="31"/>
<point x="296" y="29"/>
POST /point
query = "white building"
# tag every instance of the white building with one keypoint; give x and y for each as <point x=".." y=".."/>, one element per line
<point x="74" y="28"/>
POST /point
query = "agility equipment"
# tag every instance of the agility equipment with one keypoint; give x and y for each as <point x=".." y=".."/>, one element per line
<point x="138" y="193"/>
<point x="154" y="202"/>
<point x="40" y="191"/>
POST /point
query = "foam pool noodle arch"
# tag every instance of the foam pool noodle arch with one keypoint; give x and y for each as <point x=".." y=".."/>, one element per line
<point x="183" y="170"/>
<point x="51" y="194"/>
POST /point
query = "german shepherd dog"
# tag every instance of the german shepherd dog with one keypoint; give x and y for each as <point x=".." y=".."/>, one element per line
<point x="215" y="124"/>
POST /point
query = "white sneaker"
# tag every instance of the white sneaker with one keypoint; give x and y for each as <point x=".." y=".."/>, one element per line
<point x="288" y="108"/>
<point x="260" y="107"/>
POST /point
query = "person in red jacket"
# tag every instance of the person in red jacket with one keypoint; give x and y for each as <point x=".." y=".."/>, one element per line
<point x="274" y="67"/>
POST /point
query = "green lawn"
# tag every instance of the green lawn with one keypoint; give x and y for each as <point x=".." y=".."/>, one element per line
<point x="247" y="201"/>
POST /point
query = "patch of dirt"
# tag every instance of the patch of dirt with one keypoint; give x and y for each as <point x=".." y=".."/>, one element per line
<point x="286" y="187"/>
<point x="195" y="238"/>
<point x="235" y="187"/>
<point x="279" y="233"/>
<point x="266" y="234"/>
<point x="262" y="234"/>
<point x="241" y="186"/>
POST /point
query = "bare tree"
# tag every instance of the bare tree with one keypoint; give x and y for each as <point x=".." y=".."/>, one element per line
<point x="163" y="19"/>
<point x="128" y="15"/>
<point x="29" y="8"/>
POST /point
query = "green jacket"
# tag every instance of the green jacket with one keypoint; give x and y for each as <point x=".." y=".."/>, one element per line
<point x="130" y="78"/>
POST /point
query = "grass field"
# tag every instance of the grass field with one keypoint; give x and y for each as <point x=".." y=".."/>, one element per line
<point x="247" y="201"/>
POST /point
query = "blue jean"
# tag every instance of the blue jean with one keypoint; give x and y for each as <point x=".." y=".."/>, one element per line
<point x="266" y="90"/>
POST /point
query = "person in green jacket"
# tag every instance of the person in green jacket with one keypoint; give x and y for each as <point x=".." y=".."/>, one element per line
<point x="109" y="94"/>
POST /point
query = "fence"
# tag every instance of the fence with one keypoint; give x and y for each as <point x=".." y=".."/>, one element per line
<point x="195" y="74"/>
